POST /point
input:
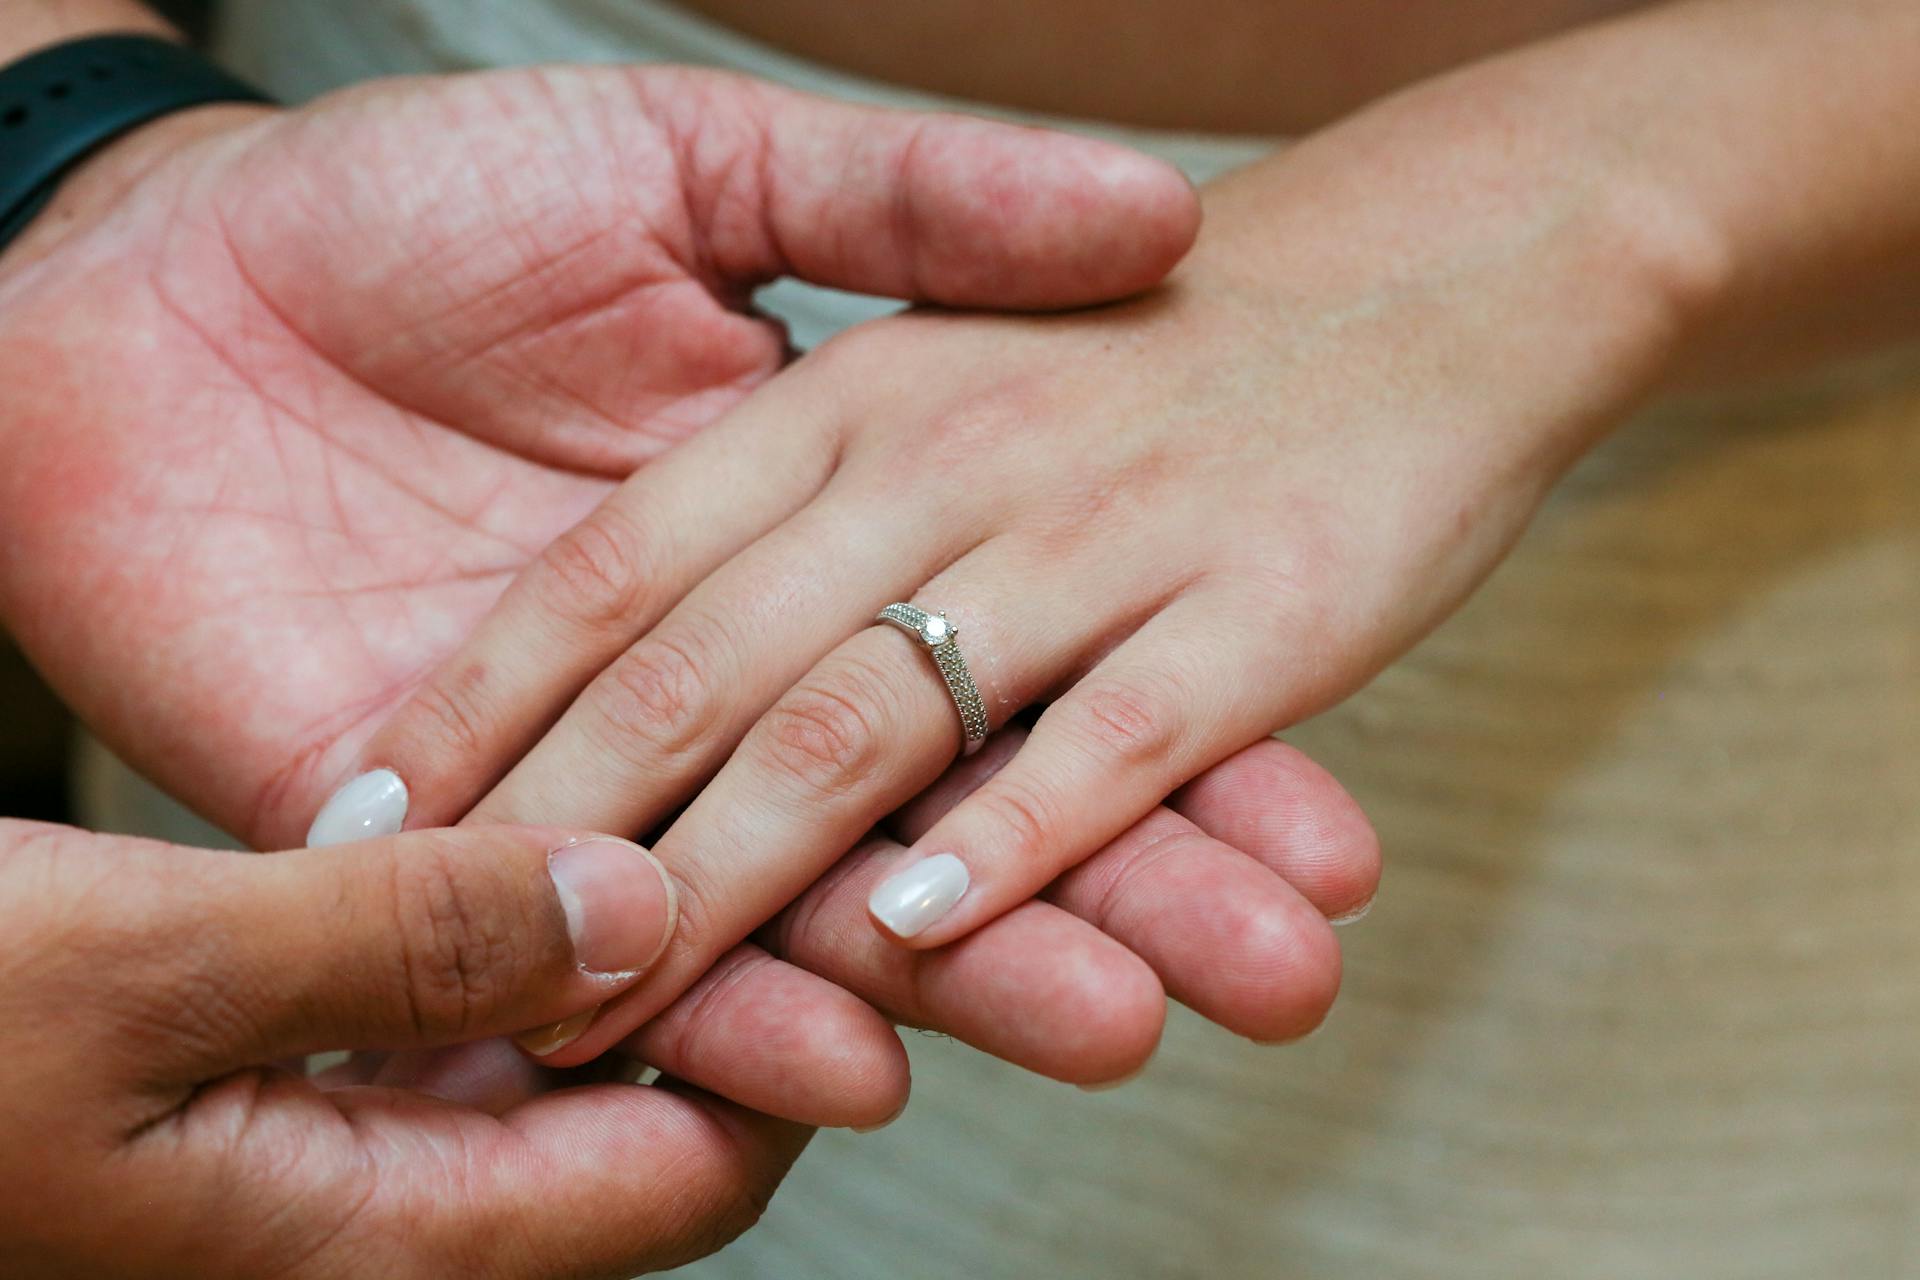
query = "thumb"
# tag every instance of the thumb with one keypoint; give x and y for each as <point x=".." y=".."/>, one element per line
<point x="935" y="208"/>
<point x="428" y="937"/>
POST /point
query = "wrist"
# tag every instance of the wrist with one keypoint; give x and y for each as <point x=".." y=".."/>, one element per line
<point x="112" y="107"/>
<point x="29" y="25"/>
<point x="93" y="187"/>
<point x="1520" y="256"/>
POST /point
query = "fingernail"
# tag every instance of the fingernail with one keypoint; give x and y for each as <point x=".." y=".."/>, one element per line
<point x="556" y="1037"/>
<point x="619" y="903"/>
<point x="1354" y="916"/>
<point x="908" y="901"/>
<point x="1105" y="1086"/>
<point x="373" y="804"/>
<point x="875" y="1128"/>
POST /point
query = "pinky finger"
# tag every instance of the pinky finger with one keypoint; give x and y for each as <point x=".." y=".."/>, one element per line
<point x="1168" y="703"/>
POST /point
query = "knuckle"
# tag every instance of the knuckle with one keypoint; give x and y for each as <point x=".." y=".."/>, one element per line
<point x="1101" y="495"/>
<point x="1026" y="817"/>
<point x="702" y="1018"/>
<point x="1123" y="721"/>
<point x="1135" y="878"/>
<point x="861" y="349"/>
<point x="657" y="694"/>
<point x="982" y="425"/>
<point x="456" y="951"/>
<point x="720" y="1218"/>
<point x="825" y="734"/>
<point x="452" y="709"/>
<point x="872" y="351"/>
<point x="597" y="573"/>
<point x="957" y="433"/>
<point x="702" y="925"/>
<point x="1292" y="591"/>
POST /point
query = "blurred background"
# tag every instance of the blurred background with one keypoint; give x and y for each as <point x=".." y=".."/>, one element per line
<point x="35" y="741"/>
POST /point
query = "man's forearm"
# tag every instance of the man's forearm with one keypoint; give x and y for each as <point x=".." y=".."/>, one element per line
<point x="26" y="25"/>
<point x="95" y="184"/>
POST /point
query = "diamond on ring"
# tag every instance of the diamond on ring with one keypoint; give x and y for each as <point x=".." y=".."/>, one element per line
<point x="941" y="639"/>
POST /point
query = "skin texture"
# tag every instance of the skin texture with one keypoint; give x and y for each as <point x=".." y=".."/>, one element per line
<point x="1395" y="300"/>
<point x="1188" y="519"/>
<point x="1181" y="521"/>
<point x="144" y="983"/>
<point x="250" y="546"/>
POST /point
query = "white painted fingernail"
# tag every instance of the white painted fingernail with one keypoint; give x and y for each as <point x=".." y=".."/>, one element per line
<point x="908" y="901"/>
<point x="1354" y="916"/>
<point x="373" y="804"/>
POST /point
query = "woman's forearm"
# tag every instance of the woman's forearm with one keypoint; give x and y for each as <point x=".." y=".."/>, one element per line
<point x="1787" y="136"/>
<point x="1710" y="188"/>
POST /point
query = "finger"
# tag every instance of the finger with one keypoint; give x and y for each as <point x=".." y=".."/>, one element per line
<point x="964" y="777"/>
<point x="865" y="729"/>
<point x="488" y="1075"/>
<point x="1169" y="702"/>
<point x="1274" y="803"/>
<point x="781" y="1041"/>
<point x="1269" y="801"/>
<point x="663" y="716"/>
<point x="696" y="1177"/>
<point x="1036" y="987"/>
<point x="942" y="208"/>
<point x="421" y="939"/>
<point x="1227" y="937"/>
<point x="572" y="611"/>
<point x="608" y="1179"/>
<point x="753" y="1030"/>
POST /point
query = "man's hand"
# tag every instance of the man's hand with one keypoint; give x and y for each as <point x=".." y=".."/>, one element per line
<point x="288" y="405"/>
<point x="291" y="396"/>
<point x="146" y="985"/>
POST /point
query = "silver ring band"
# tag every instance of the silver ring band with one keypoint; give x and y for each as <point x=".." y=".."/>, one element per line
<point x="942" y="639"/>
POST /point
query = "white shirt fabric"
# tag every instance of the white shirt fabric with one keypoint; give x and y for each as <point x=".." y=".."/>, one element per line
<point x="1640" y="997"/>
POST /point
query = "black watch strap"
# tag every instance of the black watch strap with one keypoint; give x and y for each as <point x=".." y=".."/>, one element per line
<point x="61" y="103"/>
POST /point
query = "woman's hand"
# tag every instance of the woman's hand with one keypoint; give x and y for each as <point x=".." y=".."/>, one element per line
<point x="145" y="988"/>
<point x="1183" y="521"/>
<point x="1216" y="899"/>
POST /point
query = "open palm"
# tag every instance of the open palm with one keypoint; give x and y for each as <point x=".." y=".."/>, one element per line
<point x="367" y="359"/>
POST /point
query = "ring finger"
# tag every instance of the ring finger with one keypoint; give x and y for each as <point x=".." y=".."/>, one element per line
<point x="864" y="730"/>
<point x="665" y="713"/>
